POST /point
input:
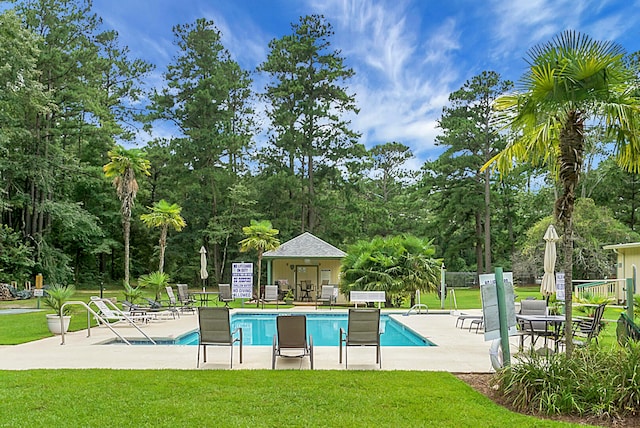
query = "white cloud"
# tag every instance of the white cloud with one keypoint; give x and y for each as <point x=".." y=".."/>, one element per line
<point x="403" y="74"/>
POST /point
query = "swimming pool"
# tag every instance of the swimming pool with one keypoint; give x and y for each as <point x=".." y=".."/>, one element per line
<point x="258" y="329"/>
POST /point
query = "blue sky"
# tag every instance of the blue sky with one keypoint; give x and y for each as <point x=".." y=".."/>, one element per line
<point x="408" y="55"/>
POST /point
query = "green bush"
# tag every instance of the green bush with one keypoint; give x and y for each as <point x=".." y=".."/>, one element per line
<point x="595" y="381"/>
<point x="155" y="282"/>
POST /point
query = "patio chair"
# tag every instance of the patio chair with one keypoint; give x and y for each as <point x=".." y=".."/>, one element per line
<point x="586" y="329"/>
<point x="627" y="330"/>
<point x="291" y="336"/>
<point x="185" y="299"/>
<point x="110" y="314"/>
<point x="533" y="329"/>
<point x="173" y="302"/>
<point x="270" y="295"/>
<point x="214" y="329"/>
<point x="224" y="294"/>
<point x="306" y="287"/>
<point x="363" y="329"/>
<point x="327" y="296"/>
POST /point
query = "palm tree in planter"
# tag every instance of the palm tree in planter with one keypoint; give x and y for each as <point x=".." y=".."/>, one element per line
<point x="124" y="166"/>
<point x="164" y="215"/>
<point x="57" y="296"/>
<point x="260" y="236"/>
<point x="572" y="83"/>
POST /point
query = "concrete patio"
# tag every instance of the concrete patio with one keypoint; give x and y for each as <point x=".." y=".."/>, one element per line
<point x="458" y="350"/>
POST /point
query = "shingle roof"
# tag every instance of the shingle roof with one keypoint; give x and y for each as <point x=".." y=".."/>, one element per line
<point x="305" y="245"/>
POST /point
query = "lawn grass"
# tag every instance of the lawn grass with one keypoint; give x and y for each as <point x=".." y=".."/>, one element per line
<point x="256" y="398"/>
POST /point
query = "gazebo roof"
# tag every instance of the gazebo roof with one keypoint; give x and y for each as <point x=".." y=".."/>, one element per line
<point x="305" y="246"/>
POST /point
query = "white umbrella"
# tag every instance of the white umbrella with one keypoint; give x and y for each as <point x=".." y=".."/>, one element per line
<point x="548" y="286"/>
<point x="203" y="265"/>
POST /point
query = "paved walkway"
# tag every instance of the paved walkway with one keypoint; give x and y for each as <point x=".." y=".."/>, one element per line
<point x="458" y="350"/>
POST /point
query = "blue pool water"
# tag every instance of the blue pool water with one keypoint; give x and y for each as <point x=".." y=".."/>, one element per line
<point x="259" y="329"/>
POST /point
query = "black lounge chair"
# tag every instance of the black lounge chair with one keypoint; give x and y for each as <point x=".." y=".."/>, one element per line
<point x="214" y="329"/>
<point x="363" y="329"/>
<point x="291" y="336"/>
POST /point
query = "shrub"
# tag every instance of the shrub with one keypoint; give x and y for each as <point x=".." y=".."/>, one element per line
<point x="594" y="382"/>
<point x="155" y="281"/>
<point x="58" y="295"/>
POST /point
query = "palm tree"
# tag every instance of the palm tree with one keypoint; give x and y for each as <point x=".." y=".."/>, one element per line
<point x="572" y="82"/>
<point x="395" y="264"/>
<point x="162" y="215"/>
<point x="124" y="166"/>
<point x="260" y="236"/>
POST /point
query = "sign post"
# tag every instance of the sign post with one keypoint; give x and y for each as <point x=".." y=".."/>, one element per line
<point x="498" y="309"/>
<point x="39" y="291"/>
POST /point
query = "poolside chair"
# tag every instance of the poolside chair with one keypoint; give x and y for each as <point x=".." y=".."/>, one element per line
<point x="306" y="287"/>
<point x="173" y="302"/>
<point x="327" y="296"/>
<point x="587" y="329"/>
<point x="225" y="294"/>
<point x="185" y="300"/>
<point x="108" y="313"/>
<point x="214" y="329"/>
<point x="270" y="295"/>
<point x="533" y="329"/>
<point x="363" y="329"/>
<point x="291" y="336"/>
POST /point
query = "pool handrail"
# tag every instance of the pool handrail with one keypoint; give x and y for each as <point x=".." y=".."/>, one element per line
<point x="90" y="312"/>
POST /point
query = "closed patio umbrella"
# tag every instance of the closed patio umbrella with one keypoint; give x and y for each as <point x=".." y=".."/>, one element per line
<point x="548" y="285"/>
<point x="203" y="265"/>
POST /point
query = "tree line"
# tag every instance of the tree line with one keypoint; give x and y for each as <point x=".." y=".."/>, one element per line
<point x="73" y="97"/>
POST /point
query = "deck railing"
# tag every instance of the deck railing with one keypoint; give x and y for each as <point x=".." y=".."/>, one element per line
<point x="613" y="289"/>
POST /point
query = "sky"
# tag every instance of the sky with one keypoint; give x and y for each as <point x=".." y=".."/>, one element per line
<point x="408" y="55"/>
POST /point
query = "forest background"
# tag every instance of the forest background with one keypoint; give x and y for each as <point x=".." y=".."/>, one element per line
<point x="71" y="93"/>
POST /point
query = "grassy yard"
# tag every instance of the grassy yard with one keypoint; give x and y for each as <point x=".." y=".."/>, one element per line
<point x="257" y="398"/>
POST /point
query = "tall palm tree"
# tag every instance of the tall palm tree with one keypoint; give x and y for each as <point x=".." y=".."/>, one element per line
<point x="124" y="166"/>
<point x="260" y="236"/>
<point x="572" y="82"/>
<point x="164" y="215"/>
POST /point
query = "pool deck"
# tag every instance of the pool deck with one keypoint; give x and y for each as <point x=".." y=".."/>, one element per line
<point x="458" y="350"/>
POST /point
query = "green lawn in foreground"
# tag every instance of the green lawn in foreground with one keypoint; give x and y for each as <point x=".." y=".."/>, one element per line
<point x="247" y="398"/>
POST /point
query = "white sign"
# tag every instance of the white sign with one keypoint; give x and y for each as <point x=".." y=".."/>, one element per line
<point x="38" y="292"/>
<point x="490" y="305"/>
<point x="242" y="269"/>
<point x="242" y="280"/>
<point x="560" y="286"/>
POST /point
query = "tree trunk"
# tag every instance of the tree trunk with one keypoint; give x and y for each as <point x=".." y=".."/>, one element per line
<point x="127" y="229"/>
<point x="478" y="242"/>
<point x="163" y="245"/>
<point x="259" y="275"/>
<point x="570" y="160"/>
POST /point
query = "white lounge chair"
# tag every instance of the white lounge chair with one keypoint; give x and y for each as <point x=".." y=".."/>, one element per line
<point x="109" y="313"/>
